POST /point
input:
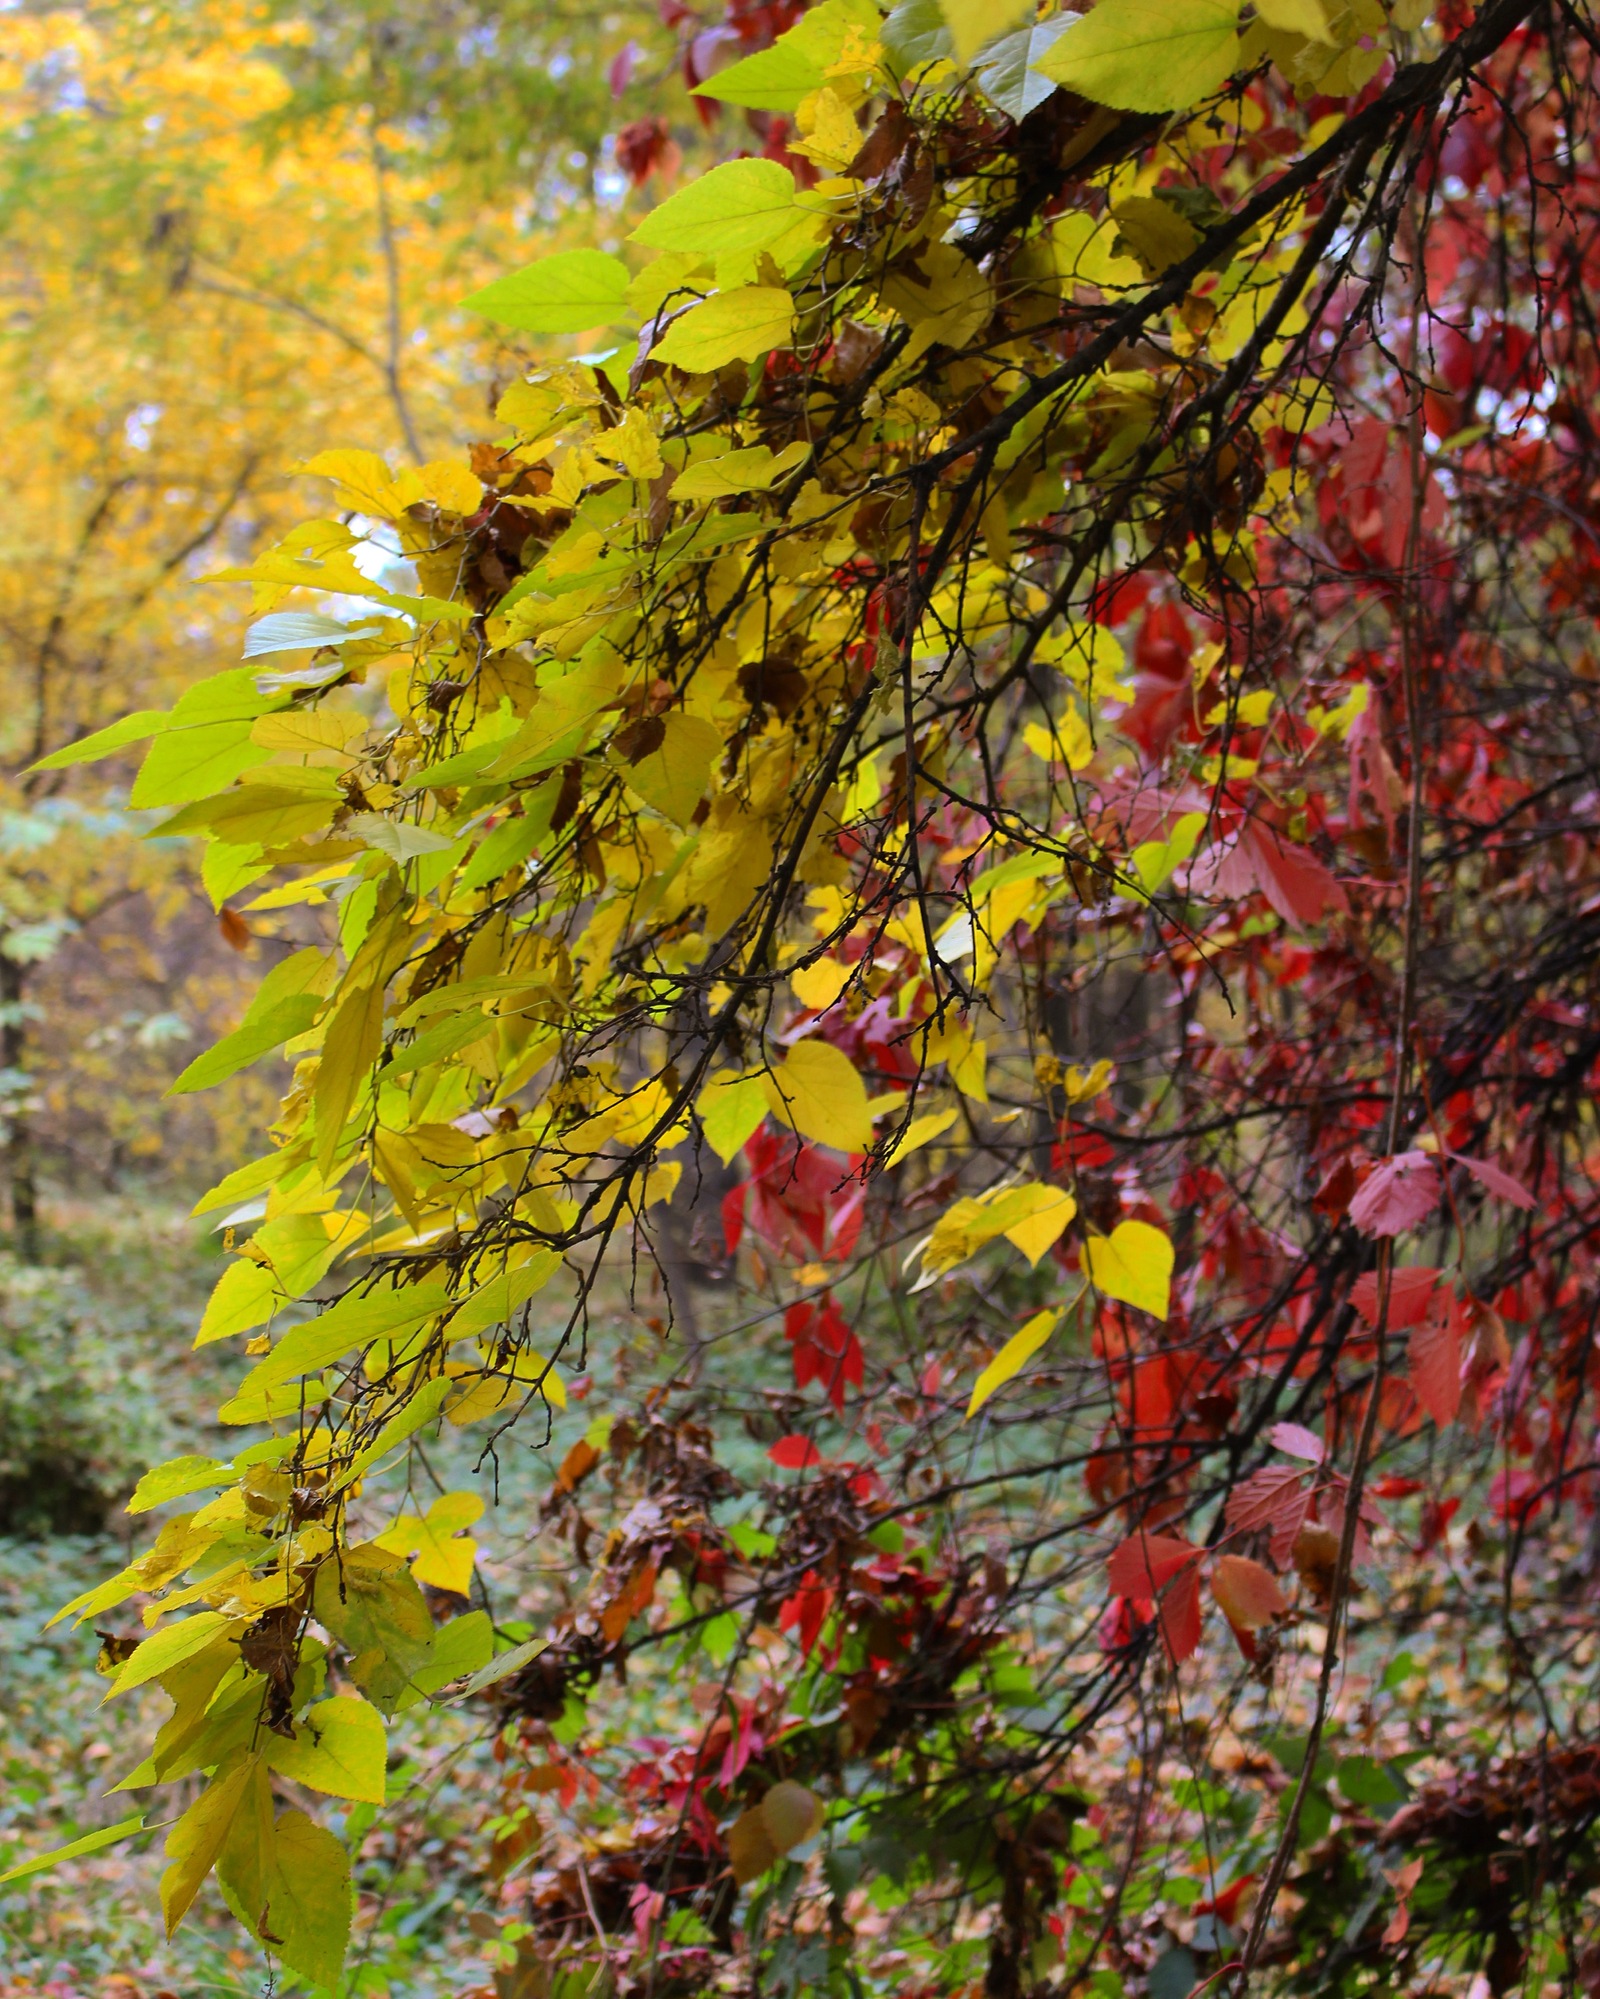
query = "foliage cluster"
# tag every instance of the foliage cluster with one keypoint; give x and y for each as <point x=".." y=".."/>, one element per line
<point x="992" y="809"/>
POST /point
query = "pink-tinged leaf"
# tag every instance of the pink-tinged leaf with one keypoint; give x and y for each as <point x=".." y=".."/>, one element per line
<point x="1277" y="1497"/>
<point x="1292" y="879"/>
<point x="1298" y="1441"/>
<point x="795" y="1453"/>
<point x="1247" y="1593"/>
<point x="1435" y="1358"/>
<point x="1411" y="1290"/>
<point x="1496" y="1180"/>
<point x="1402" y="1193"/>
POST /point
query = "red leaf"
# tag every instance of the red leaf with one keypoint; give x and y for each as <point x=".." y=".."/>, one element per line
<point x="795" y="1453"/>
<point x="1227" y="1903"/>
<point x="1144" y="1562"/>
<point x="1161" y="1568"/>
<point x="235" y="930"/>
<point x="806" y="1610"/>
<point x="1494" y="1178"/>
<point x="1410" y="1291"/>
<point x="1394" y="1488"/>
<point x="1292" y="879"/>
<point x="1435" y="1356"/>
<point x="1404" y="1191"/>
<point x="1180" y="1615"/>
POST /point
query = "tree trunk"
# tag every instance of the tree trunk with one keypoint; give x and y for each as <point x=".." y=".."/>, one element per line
<point x="19" y="1162"/>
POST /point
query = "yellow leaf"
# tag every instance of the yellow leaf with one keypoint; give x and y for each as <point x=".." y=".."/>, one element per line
<point x="818" y="986"/>
<point x="738" y="325"/>
<point x="729" y="1108"/>
<point x="818" y="1092"/>
<point x="365" y="483"/>
<point x="452" y="486"/>
<point x="196" y="1841"/>
<point x="918" y="1133"/>
<point x="1155" y="232"/>
<point x="340" y="1747"/>
<point x="1297" y="17"/>
<point x="632" y="445"/>
<point x="443" y="1560"/>
<point x="308" y="1896"/>
<point x="1049" y="1211"/>
<point x="676" y="776"/>
<point x="301" y="731"/>
<point x="1013" y="1356"/>
<point x="832" y="136"/>
<point x="1134" y="1264"/>
<point x="1067" y="738"/>
<point x="1031" y="1216"/>
<point x="974" y="22"/>
<point x="507" y="1387"/>
<point x="169" y="1647"/>
<point x="1081" y="1085"/>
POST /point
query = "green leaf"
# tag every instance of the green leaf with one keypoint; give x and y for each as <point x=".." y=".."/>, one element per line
<point x="569" y="292"/>
<point x="340" y="1747"/>
<point x="206" y="743"/>
<point x="423" y="1405"/>
<point x="1007" y="71"/>
<point x="492" y="1304"/>
<point x="738" y="325"/>
<point x="179" y="768"/>
<point x="915" y="34"/>
<point x="91" y="1842"/>
<point x="743" y="205"/>
<point x="308" y="1898"/>
<point x="245" y="1295"/>
<point x="730" y="1108"/>
<point x="501" y="1668"/>
<point x="370" y="1602"/>
<point x="176" y="1479"/>
<point x="248" y="1044"/>
<point x="131" y="729"/>
<point x="754" y="470"/>
<point x="354" y="1321"/>
<point x="776" y="79"/>
<point x="244" y="1181"/>
<point x="1013" y="1356"/>
<point x="464" y="1645"/>
<point x="169" y="1647"/>
<point x="1147" y="55"/>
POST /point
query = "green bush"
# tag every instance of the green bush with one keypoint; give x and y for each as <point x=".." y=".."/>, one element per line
<point x="81" y="1414"/>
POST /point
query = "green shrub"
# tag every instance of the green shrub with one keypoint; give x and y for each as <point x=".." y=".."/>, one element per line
<point x="80" y="1411"/>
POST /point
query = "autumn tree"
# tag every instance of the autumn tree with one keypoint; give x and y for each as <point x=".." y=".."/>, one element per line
<point x="223" y="238"/>
<point x="1022" y="746"/>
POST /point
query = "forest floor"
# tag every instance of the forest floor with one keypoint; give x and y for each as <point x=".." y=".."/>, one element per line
<point x="96" y="1381"/>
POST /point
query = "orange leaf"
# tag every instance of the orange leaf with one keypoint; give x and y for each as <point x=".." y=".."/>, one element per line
<point x="1247" y="1593"/>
